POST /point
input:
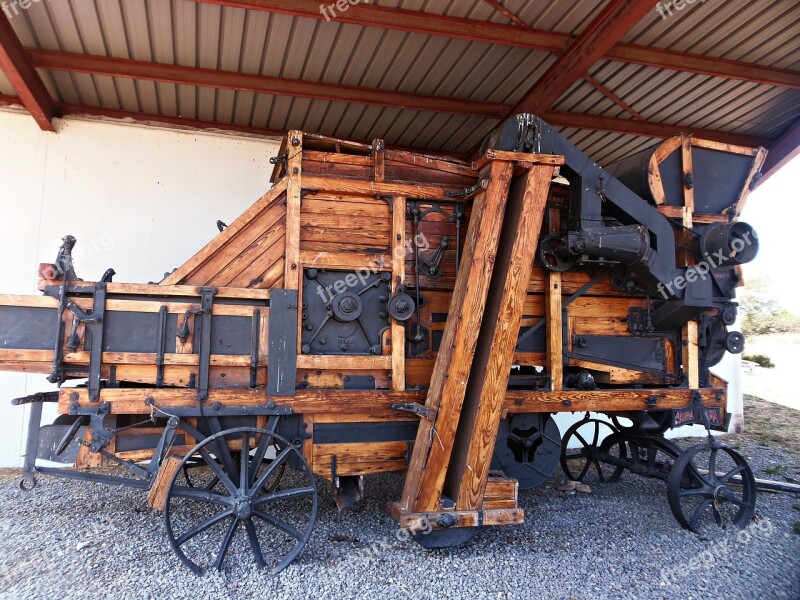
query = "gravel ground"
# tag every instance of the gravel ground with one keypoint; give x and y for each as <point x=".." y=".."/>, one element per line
<point x="68" y="538"/>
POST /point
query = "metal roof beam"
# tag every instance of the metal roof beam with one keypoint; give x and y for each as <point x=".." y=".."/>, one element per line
<point x="382" y="17"/>
<point x="23" y="77"/>
<point x="781" y="152"/>
<point x="166" y="73"/>
<point x="606" y="29"/>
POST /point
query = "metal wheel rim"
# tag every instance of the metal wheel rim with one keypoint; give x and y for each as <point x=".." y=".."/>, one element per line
<point x="302" y="536"/>
<point x="687" y="481"/>
<point x="590" y="453"/>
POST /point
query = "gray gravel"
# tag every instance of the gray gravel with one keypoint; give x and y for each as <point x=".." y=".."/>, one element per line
<point x="68" y="538"/>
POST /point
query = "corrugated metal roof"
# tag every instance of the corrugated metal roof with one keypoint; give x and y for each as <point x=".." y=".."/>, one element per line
<point x="210" y="36"/>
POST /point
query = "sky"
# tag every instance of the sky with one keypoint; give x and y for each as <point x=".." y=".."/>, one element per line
<point x="772" y="211"/>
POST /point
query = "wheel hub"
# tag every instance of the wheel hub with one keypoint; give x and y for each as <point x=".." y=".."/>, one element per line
<point x="243" y="509"/>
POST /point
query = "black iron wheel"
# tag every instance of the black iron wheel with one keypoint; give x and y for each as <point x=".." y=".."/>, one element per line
<point x="584" y="453"/>
<point x="527" y="448"/>
<point x="711" y="484"/>
<point x="240" y="492"/>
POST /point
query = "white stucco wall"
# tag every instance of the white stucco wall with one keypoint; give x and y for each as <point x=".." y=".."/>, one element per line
<point x="141" y="200"/>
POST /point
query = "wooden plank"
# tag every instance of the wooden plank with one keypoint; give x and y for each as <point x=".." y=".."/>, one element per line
<point x="336" y="158"/>
<point x="371" y="188"/>
<point x="723" y="147"/>
<point x="344" y="260"/>
<point x="359" y="459"/>
<point x="617" y="400"/>
<point x="454" y="166"/>
<point x="758" y="163"/>
<point x="424" y="521"/>
<point x="688" y="171"/>
<point x="398" y="240"/>
<point x="232" y="231"/>
<point x="294" y="165"/>
<point x="520" y="157"/>
<point x="554" y="316"/>
<point x="499" y="332"/>
<point x="501" y="492"/>
<point x="434" y="443"/>
<point x="157" y="496"/>
<point x="343" y="361"/>
<point x="378" y="160"/>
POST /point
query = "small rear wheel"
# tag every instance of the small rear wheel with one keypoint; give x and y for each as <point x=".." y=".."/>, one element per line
<point x="711" y="484"/>
<point x="584" y="454"/>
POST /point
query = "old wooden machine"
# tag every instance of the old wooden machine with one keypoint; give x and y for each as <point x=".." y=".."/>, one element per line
<point x="379" y="310"/>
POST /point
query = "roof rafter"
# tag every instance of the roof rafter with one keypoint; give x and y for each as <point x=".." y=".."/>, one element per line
<point x="369" y="15"/>
<point x="606" y="29"/>
<point x="23" y="77"/>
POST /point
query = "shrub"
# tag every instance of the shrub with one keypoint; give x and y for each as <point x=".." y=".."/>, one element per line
<point x="760" y="359"/>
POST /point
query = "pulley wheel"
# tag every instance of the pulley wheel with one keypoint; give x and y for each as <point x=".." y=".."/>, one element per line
<point x="528" y="448"/>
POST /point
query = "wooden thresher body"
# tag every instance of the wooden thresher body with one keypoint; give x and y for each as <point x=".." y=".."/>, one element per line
<point x="382" y="310"/>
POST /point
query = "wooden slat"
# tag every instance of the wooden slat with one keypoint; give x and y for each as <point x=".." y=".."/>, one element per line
<point x="398" y="243"/>
<point x="617" y="400"/>
<point x="359" y="459"/>
<point x="371" y="188"/>
<point x="294" y="165"/>
<point x="512" y="272"/>
<point x="434" y="444"/>
<point x="553" y="314"/>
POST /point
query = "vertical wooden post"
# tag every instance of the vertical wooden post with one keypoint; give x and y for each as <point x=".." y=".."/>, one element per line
<point x="553" y="316"/>
<point x="398" y="245"/>
<point x="691" y="354"/>
<point x="294" y="166"/>
<point x="435" y="437"/>
<point x="499" y="333"/>
<point x="378" y="156"/>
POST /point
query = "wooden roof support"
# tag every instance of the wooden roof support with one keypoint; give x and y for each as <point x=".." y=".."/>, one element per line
<point x="614" y="21"/>
<point x="369" y="15"/>
<point x="781" y="152"/>
<point x="23" y="77"/>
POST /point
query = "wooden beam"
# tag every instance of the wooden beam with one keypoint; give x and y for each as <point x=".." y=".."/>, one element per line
<point x="259" y="84"/>
<point x="369" y="15"/>
<point x="605" y="30"/>
<point x="434" y="442"/>
<point x="23" y="77"/>
<point x="782" y="151"/>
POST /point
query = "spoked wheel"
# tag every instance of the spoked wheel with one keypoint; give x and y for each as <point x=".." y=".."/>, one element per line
<point x="198" y="474"/>
<point x="271" y="513"/>
<point x="586" y="460"/>
<point x="711" y="484"/>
